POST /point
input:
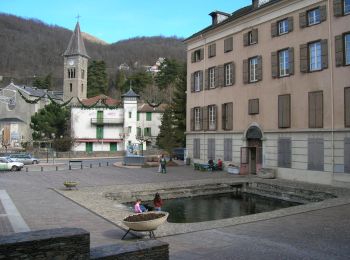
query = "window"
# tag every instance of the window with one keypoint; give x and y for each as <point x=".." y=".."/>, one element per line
<point x="70" y="87"/>
<point x="315" y="154"/>
<point x="283" y="27"/>
<point x="147" y="131"/>
<point x="211" y="76"/>
<point x="284" y="153"/>
<point x="253" y="65"/>
<point x="196" y="148"/>
<point x="212" y="117"/>
<point x="250" y="37"/>
<point x="253" y="106"/>
<point x="315" y="56"/>
<point x="316" y="109"/>
<point x="130" y="114"/>
<point x="197" y="55"/>
<point x="227" y="114"/>
<point x="197" y="81"/>
<point x="82" y="87"/>
<point x="138" y="116"/>
<point x="347" y="106"/>
<point x="197" y="118"/>
<point x="347" y="48"/>
<point x="227" y="149"/>
<point x="82" y="74"/>
<point x="149" y="116"/>
<point x="228" y="44"/>
<point x="313" y="17"/>
<point x="228" y="74"/>
<point x="212" y="50"/>
<point x="346" y="7"/>
<point x="284" y="111"/>
<point x="129" y="129"/>
<point x="138" y="131"/>
<point x="211" y="149"/>
<point x="342" y="49"/>
<point x="99" y="132"/>
<point x="283" y="58"/>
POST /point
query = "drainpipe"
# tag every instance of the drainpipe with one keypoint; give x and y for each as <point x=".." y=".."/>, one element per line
<point x="330" y="50"/>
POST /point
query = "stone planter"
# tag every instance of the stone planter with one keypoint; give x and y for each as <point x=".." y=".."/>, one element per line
<point x="70" y="184"/>
<point x="147" y="225"/>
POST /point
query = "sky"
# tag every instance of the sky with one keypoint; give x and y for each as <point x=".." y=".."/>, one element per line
<point x="114" y="20"/>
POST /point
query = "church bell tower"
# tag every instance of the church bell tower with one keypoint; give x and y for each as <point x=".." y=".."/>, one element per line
<point x="75" y="67"/>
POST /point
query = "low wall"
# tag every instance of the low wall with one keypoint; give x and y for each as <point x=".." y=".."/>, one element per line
<point x="74" y="243"/>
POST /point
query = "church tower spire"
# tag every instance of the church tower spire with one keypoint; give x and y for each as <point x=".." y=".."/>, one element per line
<point x="75" y="67"/>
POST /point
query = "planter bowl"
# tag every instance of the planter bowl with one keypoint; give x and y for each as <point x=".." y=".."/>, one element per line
<point x="70" y="184"/>
<point x="147" y="225"/>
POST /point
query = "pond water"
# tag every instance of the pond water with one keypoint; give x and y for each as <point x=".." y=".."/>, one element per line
<point x="219" y="206"/>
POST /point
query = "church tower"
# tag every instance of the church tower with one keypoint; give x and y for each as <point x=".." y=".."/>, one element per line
<point x="75" y="67"/>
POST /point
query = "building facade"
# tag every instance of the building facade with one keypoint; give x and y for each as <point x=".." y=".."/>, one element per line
<point x="268" y="86"/>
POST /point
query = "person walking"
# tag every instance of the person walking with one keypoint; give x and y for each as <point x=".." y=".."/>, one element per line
<point x="163" y="163"/>
<point x="157" y="202"/>
<point x="159" y="166"/>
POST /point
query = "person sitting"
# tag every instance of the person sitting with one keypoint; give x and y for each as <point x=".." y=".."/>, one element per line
<point x="211" y="164"/>
<point x="219" y="165"/>
<point x="158" y="202"/>
<point x="138" y="207"/>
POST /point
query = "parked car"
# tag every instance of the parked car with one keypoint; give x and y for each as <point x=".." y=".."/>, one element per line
<point x="24" y="158"/>
<point x="179" y="153"/>
<point x="8" y="165"/>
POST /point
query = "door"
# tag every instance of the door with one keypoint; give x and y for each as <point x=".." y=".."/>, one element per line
<point x="88" y="148"/>
<point x="113" y="147"/>
<point x="252" y="160"/>
<point x="99" y="117"/>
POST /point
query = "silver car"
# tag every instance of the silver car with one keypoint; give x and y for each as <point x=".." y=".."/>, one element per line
<point x="8" y="165"/>
<point x="24" y="158"/>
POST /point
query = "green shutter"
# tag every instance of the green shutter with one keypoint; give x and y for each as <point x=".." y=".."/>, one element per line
<point x="88" y="147"/>
<point x="99" y="132"/>
<point x="99" y="117"/>
<point x="112" y="147"/>
<point x="138" y="116"/>
<point x="149" y="116"/>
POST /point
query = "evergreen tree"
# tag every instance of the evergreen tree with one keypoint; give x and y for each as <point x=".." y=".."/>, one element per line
<point x="97" y="78"/>
<point x="120" y="81"/>
<point x="166" y="138"/>
<point x="138" y="80"/>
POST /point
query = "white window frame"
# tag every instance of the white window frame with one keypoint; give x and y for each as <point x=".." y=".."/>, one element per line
<point x="250" y="38"/>
<point x="313" y="16"/>
<point x="347" y="48"/>
<point x="315" y="56"/>
<point x="212" y="117"/>
<point x="228" y="74"/>
<point x="346" y="7"/>
<point x="197" y="118"/>
<point x="253" y="66"/>
<point x="211" y="75"/>
<point x="283" y="27"/>
<point x="197" y="81"/>
<point x="283" y="61"/>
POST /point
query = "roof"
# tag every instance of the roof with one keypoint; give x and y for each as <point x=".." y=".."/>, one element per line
<point x="76" y="44"/>
<point x="107" y="100"/>
<point x="145" y="107"/>
<point x="11" y="120"/>
<point x="34" y="92"/>
<point x="234" y="16"/>
<point x="130" y="93"/>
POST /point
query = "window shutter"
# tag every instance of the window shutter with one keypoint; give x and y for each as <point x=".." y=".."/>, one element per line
<point x="291" y="60"/>
<point x="323" y="13"/>
<point x="206" y="80"/>
<point x="201" y="54"/>
<point x="280" y="111"/>
<point x="221" y="75"/>
<point x="339" y="50"/>
<point x="216" y="81"/>
<point x="319" y="109"/>
<point x="324" y="53"/>
<point x="303" y="58"/>
<point x="193" y="59"/>
<point x="205" y="118"/>
<point x="192" y="82"/>
<point x="255" y="35"/>
<point x="290" y="24"/>
<point x="259" y="68"/>
<point x="245" y="71"/>
<point x="228" y="44"/>
<point x="286" y="111"/>
<point x="302" y="20"/>
<point x="201" y="118"/>
<point x="229" y="116"/>
<point x="312" y="110"/>
<point x="274" y="64"/>
<point x="274" y="29"/>
<point x="338" y="7"/>
<point x="213" y="50"/>
<point x="347" y="106"/>
<point x="233" y="73"/>
<point x="223" y="116"/>
<point x="201" y="80"/>
<point x="245" y="39"/>
<point x="192" y="119"/>
<point x="227" y="149"/>
<point x="216" y="116"/>
<point x="347" y="155"/>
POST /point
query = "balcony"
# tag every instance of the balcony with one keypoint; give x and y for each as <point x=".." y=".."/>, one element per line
<point x="107" y="121"/>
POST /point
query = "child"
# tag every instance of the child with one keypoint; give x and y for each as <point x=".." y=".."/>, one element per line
<point x="138" y="208"/>
<point x="158" y="202"/>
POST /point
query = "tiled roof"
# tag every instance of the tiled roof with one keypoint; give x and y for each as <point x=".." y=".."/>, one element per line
<point x="108" y="100"/>
<point x="76" y="44"/>
<point x="144" y="107"/>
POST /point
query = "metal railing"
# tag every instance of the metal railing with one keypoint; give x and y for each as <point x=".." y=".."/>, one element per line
<point x="107" y="121"/>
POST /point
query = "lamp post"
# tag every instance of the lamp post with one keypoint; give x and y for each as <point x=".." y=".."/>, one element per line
<point x="52" y="150"/>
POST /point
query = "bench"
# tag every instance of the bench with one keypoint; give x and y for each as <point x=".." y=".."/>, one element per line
<point x="75" y="161"/>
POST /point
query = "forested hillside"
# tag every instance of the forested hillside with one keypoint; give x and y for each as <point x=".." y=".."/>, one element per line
<point x="30" y="47"/>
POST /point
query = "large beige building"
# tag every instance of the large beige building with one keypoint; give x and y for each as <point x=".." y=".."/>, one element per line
<point x="269" y="86"/>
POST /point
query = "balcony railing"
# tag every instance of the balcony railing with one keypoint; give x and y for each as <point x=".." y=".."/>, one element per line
<point x="107" y="121"/>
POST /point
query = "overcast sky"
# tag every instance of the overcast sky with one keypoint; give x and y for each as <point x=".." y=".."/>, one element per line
<point x="114" y="20"/>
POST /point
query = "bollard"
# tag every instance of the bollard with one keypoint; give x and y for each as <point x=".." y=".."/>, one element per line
<point x="81" y="166"/>
<point x="107" y="163"/>
<point x="90" y="165"/>
<point x="99" y="164"/>
<point x="70" y="167"/>
<point x="56" y="168"/>
<point x="42" y="168"/>
<point x="26" y="169"/>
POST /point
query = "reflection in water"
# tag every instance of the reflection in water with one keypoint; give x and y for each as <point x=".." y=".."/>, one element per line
<point x="219" y="206"/>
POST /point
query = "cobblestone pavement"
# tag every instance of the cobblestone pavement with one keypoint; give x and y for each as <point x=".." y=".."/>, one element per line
<point x="317" y="234"/>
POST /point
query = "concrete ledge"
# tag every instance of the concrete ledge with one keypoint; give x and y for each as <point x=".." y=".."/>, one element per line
<point x="150" y="249"/>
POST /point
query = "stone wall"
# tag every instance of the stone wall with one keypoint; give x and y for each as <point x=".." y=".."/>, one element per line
<point x="74" y="243"/>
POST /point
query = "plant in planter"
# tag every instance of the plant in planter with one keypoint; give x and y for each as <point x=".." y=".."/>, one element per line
<point x="70" y="184"/>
